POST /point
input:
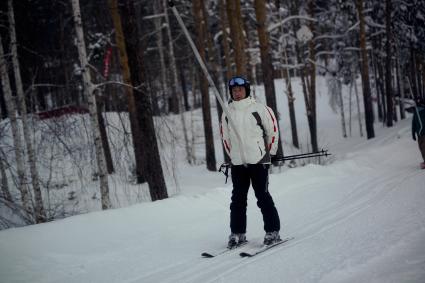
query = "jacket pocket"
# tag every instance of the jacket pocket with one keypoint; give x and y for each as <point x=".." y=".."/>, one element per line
<point x="259" y="147"/>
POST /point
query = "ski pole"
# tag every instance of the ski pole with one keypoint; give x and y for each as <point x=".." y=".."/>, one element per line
<point x="322" y="152"/>
<point x="303" y="155"/>
<point x="207" y="75"/>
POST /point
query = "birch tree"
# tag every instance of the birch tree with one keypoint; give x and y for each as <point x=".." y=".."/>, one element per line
<point x="7" y="196"/>
<point x="40" y="214"/>
<point x="16" y="133"/>
<point x="89" y="89"/>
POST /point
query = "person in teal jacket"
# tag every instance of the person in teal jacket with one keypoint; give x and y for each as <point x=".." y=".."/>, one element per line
<point x="418" y="127"/>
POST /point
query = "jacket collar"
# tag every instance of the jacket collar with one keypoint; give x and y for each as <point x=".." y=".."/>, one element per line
<point x="242" y="104"/>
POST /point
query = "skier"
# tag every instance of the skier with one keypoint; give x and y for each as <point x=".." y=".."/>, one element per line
<point x="258" y="129"/>
<point x="418" y="127"/>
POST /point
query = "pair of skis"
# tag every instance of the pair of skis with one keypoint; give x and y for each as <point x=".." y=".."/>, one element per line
<point x="247" y="253"/>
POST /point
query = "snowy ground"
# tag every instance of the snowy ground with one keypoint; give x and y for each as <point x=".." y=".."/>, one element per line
<point x="359" y="218"/>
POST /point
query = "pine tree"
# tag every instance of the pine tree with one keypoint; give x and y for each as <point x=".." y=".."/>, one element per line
<point x="206" y="108"/>
<point x="236" y="33"/>
<point x="388" y="67"/>
<point x="152" y="168"/>
<point x="131" y="101"/>
<point x="367" y="99"/>
<point x="266" y="62"/>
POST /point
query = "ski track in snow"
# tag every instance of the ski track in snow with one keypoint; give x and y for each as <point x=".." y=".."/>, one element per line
<point x="367" y="193"/>
<point x="351" y="221"/>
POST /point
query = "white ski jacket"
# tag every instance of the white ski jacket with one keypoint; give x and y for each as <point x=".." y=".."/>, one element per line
<point x="257" y="127"/>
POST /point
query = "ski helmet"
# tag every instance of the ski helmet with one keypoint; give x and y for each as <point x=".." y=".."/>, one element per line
<point x="239" y="81"/>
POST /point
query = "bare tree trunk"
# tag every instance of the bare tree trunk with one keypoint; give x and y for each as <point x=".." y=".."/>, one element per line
<point x="152" y="162"/>
<point x="7" y="196"/>
<point x="233" y="14"/>
<point x="341" y="106"/>
<point x="381" y="83"/>
<point x="174" y="85"/>
<point x="401" y="85"/>
<point x="388" y="75"/>
<point x="40" y="214"/>
<point x="91" y="99"/>
<point x="226" y="48"/>
<point x="303" y="70"/>
<point x="212" y="56"/>
<point x="356" y="91"/>
<point x="194" y="83"/>
<point x="100" y="105"/>
<point x="249" y="43"/>
<point x="311" y="85"/>
<point x="131" y="101"/>
<point x="16" y="133"/>
<point x="365" y="74"/>
<point x="379" y="90"/>
<point x="206" y="109"/>
<point x="289" y="93"/>
<point x="266" y="62"/>
<point x="159" y="42"/>
<point x="184" y="88"/>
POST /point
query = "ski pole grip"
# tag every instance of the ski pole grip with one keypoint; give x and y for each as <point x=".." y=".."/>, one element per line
<point x="171" y="3"/>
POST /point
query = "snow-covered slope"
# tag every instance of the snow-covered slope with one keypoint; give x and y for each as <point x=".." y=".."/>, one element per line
<point x="360" y="218"/>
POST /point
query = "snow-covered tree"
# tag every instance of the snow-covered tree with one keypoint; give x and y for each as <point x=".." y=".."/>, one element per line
<point x="89" y="90"/>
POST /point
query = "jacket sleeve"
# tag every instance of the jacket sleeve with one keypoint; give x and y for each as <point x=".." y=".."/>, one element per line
<point x="272" y="130"/>
<point x="224" y="132"/>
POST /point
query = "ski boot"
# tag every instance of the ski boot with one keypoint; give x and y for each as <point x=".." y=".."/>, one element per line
<point x="236" y="240"/>
<point x="271" y="238"/>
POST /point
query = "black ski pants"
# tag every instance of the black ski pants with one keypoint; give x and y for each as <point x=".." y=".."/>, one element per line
<point x="242" y="177"/>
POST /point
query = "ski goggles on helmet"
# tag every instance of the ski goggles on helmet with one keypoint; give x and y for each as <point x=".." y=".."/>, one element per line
<point x="238" y="81"/>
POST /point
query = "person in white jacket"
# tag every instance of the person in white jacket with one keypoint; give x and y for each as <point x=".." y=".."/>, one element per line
<point x="250" y="157"/>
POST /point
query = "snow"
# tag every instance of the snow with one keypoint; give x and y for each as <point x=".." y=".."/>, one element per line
<point x="360" y="217"/>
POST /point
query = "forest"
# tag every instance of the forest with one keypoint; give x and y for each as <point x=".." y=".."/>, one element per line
<point x="86" y="85"/>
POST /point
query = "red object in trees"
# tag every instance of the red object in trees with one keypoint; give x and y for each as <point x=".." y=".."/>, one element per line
<point x="107" y="62"/>
<point x="65" y="110"/>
